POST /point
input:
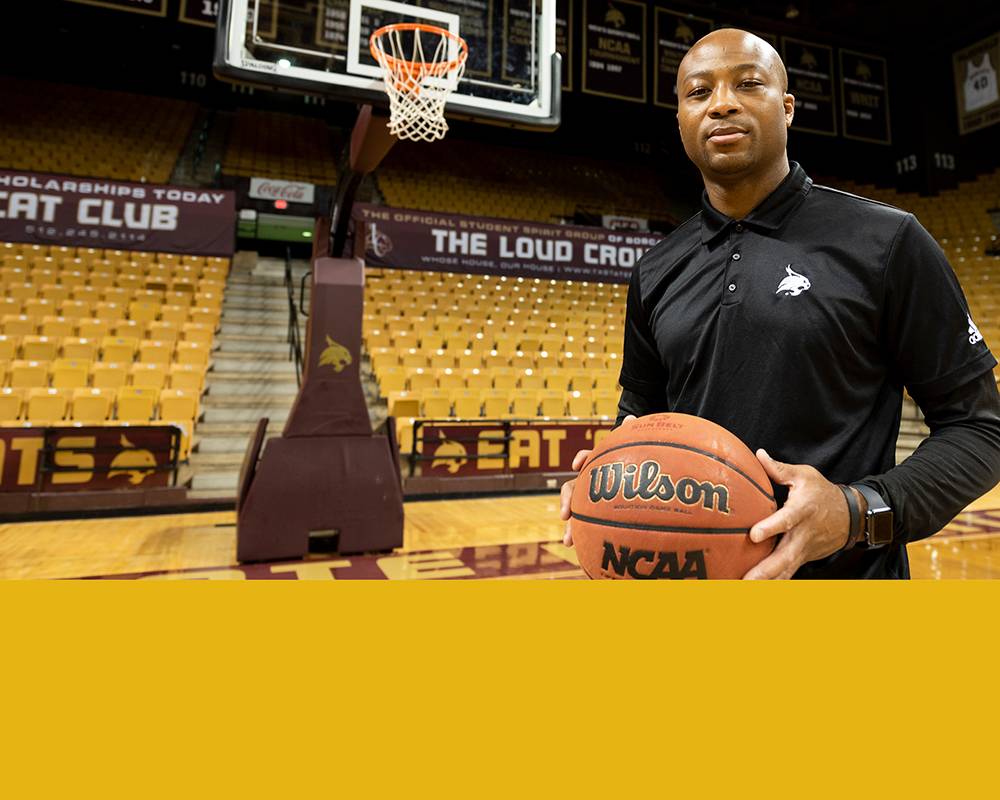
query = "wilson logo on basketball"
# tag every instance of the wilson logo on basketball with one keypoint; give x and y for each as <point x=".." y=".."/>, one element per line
<point x="646" y="564"/>
<point x="645" y="482"/>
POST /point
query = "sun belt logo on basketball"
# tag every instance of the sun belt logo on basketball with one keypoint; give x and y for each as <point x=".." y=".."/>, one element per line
<point x="644" y="481"/>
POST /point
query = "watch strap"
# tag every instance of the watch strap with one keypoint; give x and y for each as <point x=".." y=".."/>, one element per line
<point x="857" y="524"/>
<point x="876" y="506"/>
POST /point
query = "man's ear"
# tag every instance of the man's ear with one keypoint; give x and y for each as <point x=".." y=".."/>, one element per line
<point x="789" y="103"/>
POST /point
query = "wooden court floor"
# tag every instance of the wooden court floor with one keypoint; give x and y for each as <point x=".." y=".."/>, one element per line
<point x="509" y="537"/>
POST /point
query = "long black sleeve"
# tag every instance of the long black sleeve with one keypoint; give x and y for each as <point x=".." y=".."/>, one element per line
<point x="957" y="463"/>
<point x="638" y="405"/>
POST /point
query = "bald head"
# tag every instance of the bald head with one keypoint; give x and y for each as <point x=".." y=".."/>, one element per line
<point x="727" y="41"/>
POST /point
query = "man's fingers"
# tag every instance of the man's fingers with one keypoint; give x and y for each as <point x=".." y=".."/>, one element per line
<point x="777" y="471"/>
<point x="782" y="563"/>
<point x="629" y="418"/>
<point x="580" y="459"/>
<point x="564" y="497"/>
<point x="781" y="521"/>
<point x="568" y="536"/>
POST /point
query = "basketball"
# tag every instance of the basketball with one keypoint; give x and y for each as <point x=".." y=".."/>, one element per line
<point x="670" y="496"/>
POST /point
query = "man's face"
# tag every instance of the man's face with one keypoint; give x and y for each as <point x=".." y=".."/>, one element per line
<point x="733" y="107"/>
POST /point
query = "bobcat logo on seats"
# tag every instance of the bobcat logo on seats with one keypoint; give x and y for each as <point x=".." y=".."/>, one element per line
<point x="793" y="284"/>
<point x="614" y="17"/>
<point x="684" y="33"/>
<point x="649" y="565"/>
<point x="450" y="454"/>
<point x="335" y="355"/>
<point x="645" y="482"/>
<point x="134" y="462"/>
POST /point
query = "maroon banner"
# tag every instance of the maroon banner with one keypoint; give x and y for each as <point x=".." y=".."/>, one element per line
<point x="93" y="212"/>
<point x="480" y="448"/>
<point x="86" y="458"/>
<point x="407" y="239"/>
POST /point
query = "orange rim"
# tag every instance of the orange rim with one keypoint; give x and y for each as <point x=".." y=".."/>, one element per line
<point x="410" y="67"/>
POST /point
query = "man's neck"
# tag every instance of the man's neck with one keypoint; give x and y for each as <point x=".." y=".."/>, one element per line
<point x="739" y="197"/>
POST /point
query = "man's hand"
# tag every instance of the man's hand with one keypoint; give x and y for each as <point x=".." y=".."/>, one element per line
<point x="815" y="520"/>
<point x="567" y="488"/>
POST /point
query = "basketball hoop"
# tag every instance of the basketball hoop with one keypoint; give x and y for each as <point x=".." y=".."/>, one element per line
<point x="418" y="84"/>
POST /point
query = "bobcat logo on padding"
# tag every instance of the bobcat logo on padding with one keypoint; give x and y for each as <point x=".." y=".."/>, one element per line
<point x="793" y="284"/>
<point x="134" y="462"/>
<point x="450" y="454"/>
<point x="614" y="17"/>
<point x="335" y="355"/>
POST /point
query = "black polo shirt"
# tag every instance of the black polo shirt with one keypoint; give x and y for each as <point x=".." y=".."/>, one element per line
<point x="797" y="328"/>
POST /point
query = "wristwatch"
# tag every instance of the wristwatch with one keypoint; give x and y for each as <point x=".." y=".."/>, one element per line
<point x="877" y="528"/>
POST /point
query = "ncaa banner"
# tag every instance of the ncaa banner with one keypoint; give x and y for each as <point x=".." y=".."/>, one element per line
<point x="614" y="49"/>
<point x="93" y="212"/>
<point x="810" y="79"/>
<point x="976" y="87"/>
<point x="408" y="239"/>
<point x="673" y="34"/>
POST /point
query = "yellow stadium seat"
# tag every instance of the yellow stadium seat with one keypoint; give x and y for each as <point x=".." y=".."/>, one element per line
<point x="581" y="404"/>
<point x="180" y="407"/>
<point x="58" y="326"/>
<point x="449" y="378"/>
<point x="11" y="403"/>
<point x="143" y="311"/>
<point x="151" y="374"/>
<point x="18" y="325"/>
<point x="421" y="379"/>
<point x="47" y="405"/>
<point x="93" y="328"/>
<point x="503" y="377"/>
<point x="198" y="332"/>
<point x="8" y="347"/>
<point x="87" y="294"/>
<point x="92" y="406"/>
<point x="74" y="309"/>
<point x="136" y="404"/>
<point x="55" y="293"/>
<point x="104" y="310"/>
<point x="28" y="374"/>
<point x="606" y="403"/>
<point x="531" y="379"/>
<point x="108" y="375"/>
<point x="406" y="405"/>
<point x="525" y="403"/>
<point x="21" y="291"/>
<point x="172" y="313"/>
<point x="205" y="316"/>
<point x="437" y="403"/>
<point x="39" y="307"/>
<point x="496" y="403"/>
<point x="154" y="352"/>
<point x="79" y="348"/>
<point x="187" y="376"/>
<point x="128" y="328"/>
<point x="192" y="353"/>
<point x="553" y="403"/>
<point x="115" y="294"/>
<point x="118" y="348"/>
<point x="163" y="331"/>
<point x="466" y="402"/>
<point x="39" y="348"/>
<point x="68" y="373"/>
<point x="391" y="379"/>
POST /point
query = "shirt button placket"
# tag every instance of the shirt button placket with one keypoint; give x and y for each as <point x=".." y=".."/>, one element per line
<point x="732" y="284"/>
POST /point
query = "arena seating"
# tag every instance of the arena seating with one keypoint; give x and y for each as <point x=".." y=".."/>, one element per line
<point x="283" y="146"/>
<point x="76" y="130"/>
<point x="106" y="336"/>
<point x="465" y="178"/>
<point x="470" y="346"/>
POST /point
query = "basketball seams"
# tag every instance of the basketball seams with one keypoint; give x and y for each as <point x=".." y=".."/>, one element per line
<point x="658" y="528"/>
<point x="691" y="449"/>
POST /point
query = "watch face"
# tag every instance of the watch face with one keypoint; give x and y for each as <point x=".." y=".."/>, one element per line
<point x="880" y="528"/>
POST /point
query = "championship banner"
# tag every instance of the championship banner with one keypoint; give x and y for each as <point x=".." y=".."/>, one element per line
<point x="864" y="97"/>
<point x="87" y="458"/>
<point x="614" y="49"/>
<point x="155" y="8"/>
<point x="407" y="239"/>
<point x="481" y="449"/>
<point x="519" y="37"/>
<point x="200" y="12"/>
<point x="674" y="33"/>
<point x="476" y="25"/>
<point x="291" y="191"/>
<point x="93" y="212"/>
<point x="976" y="85"/>
<point x="810" y="79"/>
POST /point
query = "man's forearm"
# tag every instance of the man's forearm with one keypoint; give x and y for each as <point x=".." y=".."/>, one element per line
<point x="957" y="463"/>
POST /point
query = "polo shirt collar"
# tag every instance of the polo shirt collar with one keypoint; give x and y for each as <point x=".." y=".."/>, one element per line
<point x="769" y="214"/>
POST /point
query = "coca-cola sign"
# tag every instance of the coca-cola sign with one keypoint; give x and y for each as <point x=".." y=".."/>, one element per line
<point x="290" y="191"/>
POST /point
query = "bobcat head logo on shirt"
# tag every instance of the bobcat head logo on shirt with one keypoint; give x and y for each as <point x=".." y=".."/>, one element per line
<point x="793" y="284"/>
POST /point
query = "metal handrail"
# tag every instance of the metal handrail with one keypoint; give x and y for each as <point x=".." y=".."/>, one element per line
<point x="294" y="339"/>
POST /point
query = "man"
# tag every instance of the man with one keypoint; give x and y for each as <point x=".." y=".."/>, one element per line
<point x="794" y="315"/>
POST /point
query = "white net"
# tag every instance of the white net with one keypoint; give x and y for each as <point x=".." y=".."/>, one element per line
<point x="421" y="65"/>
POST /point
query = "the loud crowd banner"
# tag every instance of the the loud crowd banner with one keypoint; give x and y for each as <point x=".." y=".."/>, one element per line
<point x="94" y="212"/>
<point x="86" y="459"/>
<point x="408" y="239"/>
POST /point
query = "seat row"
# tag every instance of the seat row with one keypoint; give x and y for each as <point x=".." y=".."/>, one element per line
<point x="470" y="359"/>
<point x="397" y="379"/>
<point x="30" y="320"/>
<point x="71" y="373"/>
<point x="59" y="335"/>
<point x="89" y="254"/>
<point x="124" y="349"/>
